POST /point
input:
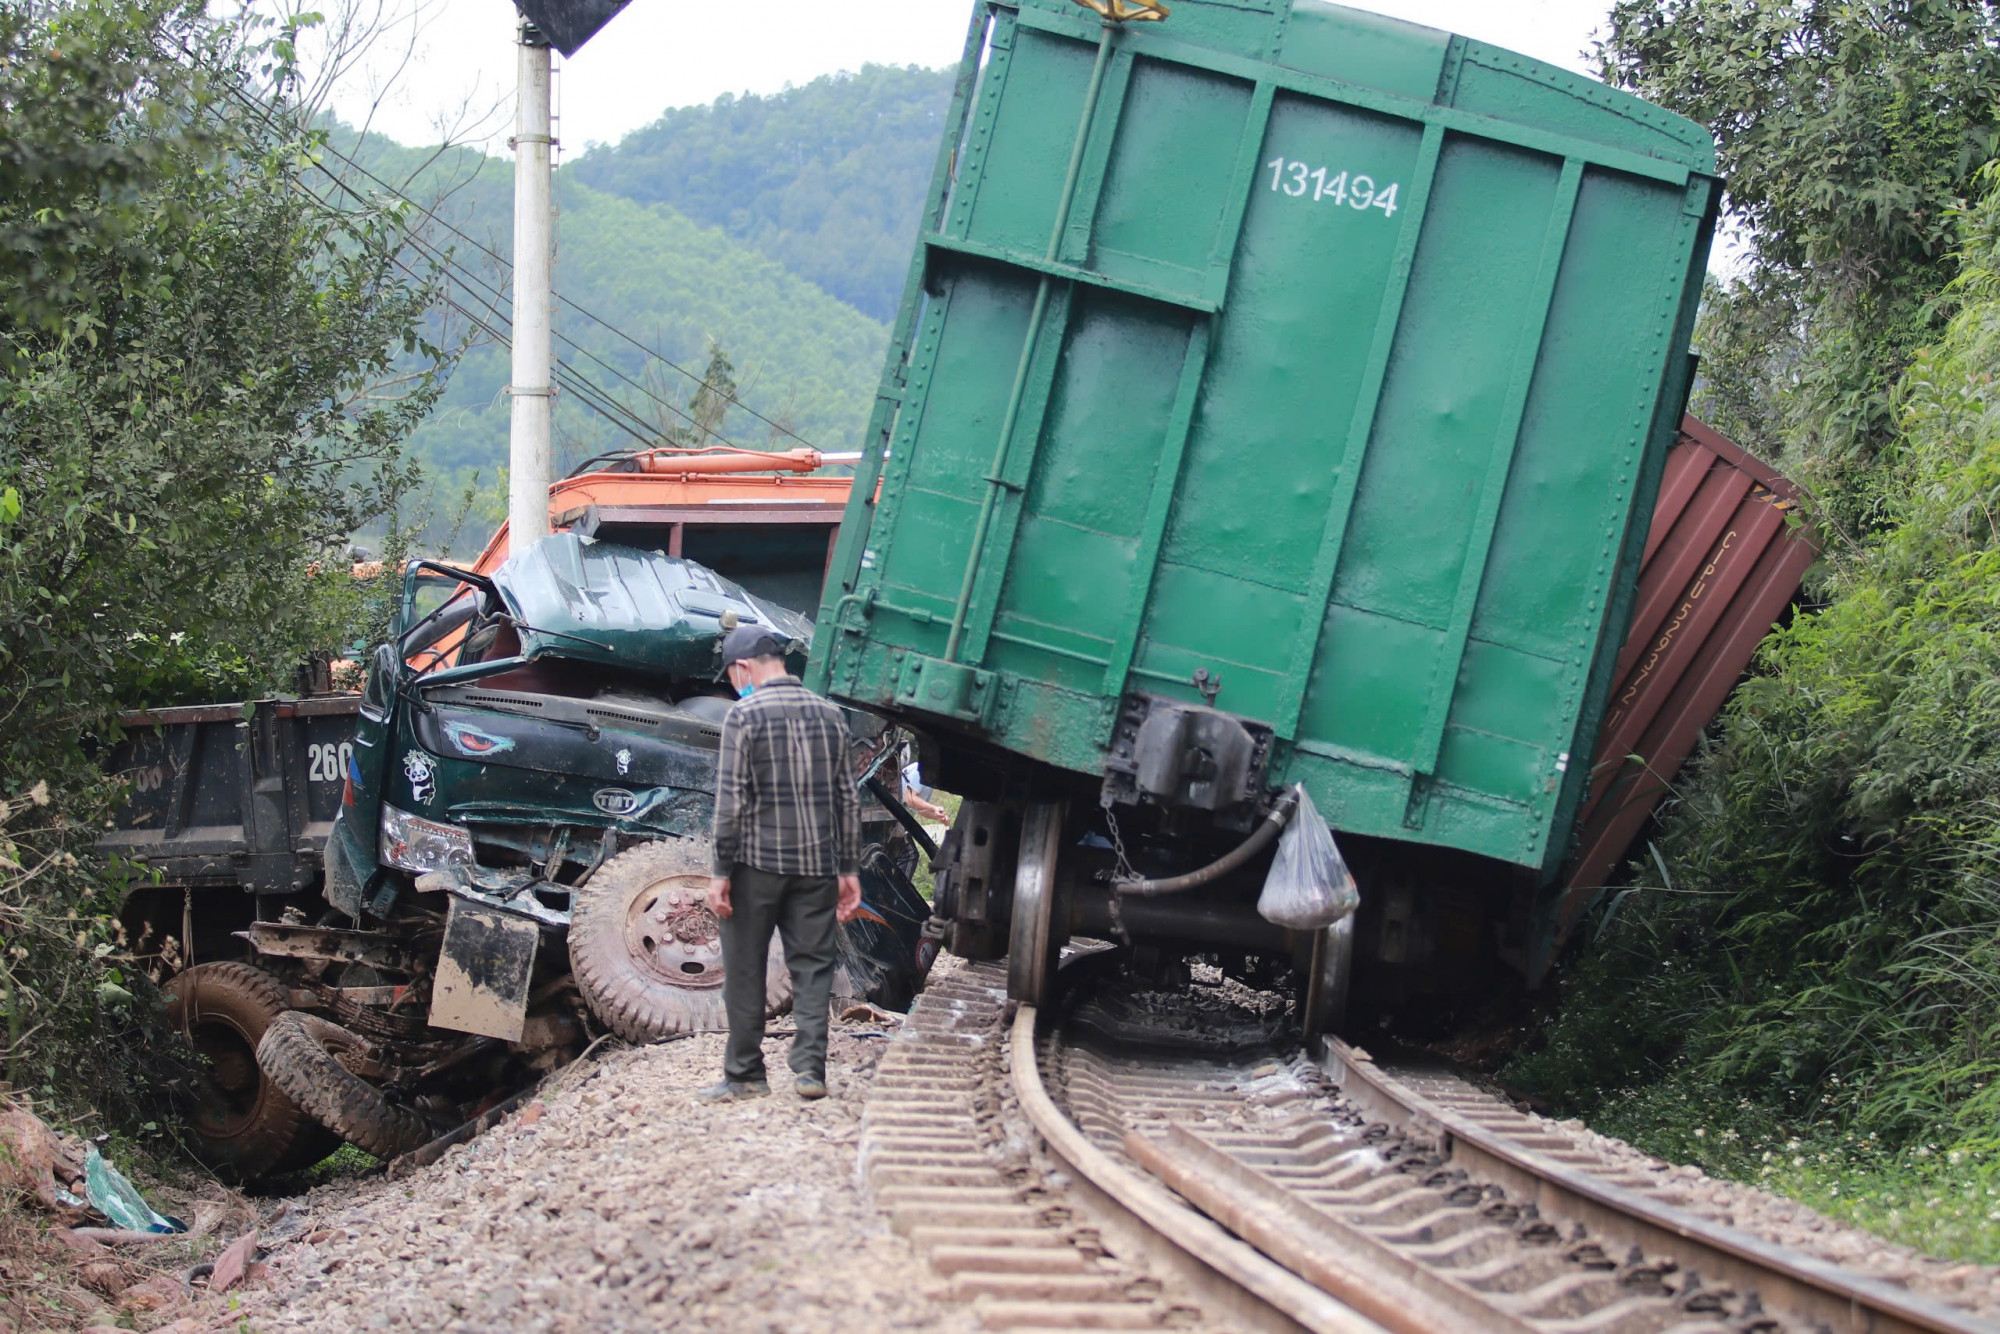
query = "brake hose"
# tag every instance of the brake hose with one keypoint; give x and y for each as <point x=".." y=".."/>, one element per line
<point x="1260" y="838"/>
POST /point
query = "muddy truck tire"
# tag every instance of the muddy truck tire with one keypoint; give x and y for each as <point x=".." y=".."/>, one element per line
<point x="646" y="950"/>
<point x="243" y="1125"/>
<point x="301" y="1055"/>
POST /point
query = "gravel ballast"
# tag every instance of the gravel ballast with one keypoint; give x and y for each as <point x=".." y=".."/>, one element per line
<point x="618" y="1202"/>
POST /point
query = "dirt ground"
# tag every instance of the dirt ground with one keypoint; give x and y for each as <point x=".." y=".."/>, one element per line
<point x="617" y="1202"/>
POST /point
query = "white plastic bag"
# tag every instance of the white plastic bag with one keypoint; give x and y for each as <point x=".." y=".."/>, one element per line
<point x="1309" y="885"/>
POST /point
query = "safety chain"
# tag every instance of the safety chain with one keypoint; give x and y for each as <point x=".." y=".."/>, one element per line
<point x="1123" y="871"/>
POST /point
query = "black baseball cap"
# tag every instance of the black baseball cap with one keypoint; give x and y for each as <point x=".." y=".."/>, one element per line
<point x="751" y="641"/>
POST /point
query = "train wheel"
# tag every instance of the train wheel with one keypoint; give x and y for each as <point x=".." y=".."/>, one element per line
<point x="1328" y="977"/>
<point x="1038" y="928"/>
<point x="243" y="1125"/>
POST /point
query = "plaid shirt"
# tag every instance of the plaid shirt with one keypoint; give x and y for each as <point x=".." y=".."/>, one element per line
<point x="784" y="789"/>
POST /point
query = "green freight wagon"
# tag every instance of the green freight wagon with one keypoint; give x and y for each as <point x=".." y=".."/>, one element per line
<point x="1278" y="398"/>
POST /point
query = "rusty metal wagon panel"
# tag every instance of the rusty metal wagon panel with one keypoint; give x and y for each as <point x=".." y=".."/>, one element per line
<point x="1723" y="560"/>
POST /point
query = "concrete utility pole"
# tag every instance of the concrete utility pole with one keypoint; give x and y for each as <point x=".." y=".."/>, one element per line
<point x="534" y="246"/>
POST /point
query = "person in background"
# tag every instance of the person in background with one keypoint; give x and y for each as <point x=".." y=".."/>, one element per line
<point x="787" y="857"/>
<point x="918" y="797"/>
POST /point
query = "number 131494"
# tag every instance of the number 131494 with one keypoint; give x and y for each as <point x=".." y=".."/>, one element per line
<point x="1359" y="192"/>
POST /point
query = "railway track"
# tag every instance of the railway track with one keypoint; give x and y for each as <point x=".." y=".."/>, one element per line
<point x="1058" y="1180"/>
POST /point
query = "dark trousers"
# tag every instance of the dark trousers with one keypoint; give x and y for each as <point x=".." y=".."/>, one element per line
<point x="801" y="909"/>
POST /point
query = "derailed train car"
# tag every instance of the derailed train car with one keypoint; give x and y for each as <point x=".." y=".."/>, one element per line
<point x="1279" y="398"/>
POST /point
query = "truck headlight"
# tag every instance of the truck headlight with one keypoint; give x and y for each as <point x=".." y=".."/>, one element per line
<point x="422" y="845"/>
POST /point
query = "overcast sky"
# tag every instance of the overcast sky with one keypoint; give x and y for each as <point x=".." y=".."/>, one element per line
<point x="667" y="53"/>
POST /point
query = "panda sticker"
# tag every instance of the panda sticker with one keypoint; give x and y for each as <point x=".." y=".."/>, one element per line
<point x="422" y="773"/>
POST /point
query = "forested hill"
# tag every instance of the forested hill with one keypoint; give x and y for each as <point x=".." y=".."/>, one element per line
<point x="802" y="358"/>
<point x="827" y="179"/>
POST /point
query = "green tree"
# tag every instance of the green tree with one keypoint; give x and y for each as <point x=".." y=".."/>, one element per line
<point x="207" y="374"/>
<point x="1849" y="131"/>
<point x="1826" y="938"/>
<point x="1813" y="941"/>
<point x="72" y="171"/>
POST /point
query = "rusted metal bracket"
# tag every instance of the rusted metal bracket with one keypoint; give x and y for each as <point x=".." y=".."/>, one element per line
<point x="1128" y="11"/>
<point x="378" y="949"/>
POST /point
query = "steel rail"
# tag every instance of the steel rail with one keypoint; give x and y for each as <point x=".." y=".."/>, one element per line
<point x="1239" y="1275"/>
<point x="1253" y="1240"/>
<point x="1790" y="1284"/>
<point x="1344" y="1260"/>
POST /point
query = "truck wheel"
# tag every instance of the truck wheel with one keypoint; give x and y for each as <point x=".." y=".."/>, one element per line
<point x="647" y="951"/>
<point x="314" y="1146"/>
<point x="244" y="1125"/>
<point x="301" y="1053"/>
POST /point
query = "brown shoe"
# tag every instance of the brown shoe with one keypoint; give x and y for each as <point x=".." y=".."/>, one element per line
<point x="811" y="1087"/>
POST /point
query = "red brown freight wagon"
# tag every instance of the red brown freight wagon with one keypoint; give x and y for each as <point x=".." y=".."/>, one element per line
<point x="1723" y="561"/>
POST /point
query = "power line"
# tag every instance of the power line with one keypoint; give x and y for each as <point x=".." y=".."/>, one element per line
<point x="590" y="394"/>
<point x="567" y="301"/>
<point x="492" y="299"/>
<point x="463" y="276"/>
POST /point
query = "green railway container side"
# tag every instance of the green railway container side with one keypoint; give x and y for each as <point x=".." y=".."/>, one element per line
<point x="1283" y="345"/>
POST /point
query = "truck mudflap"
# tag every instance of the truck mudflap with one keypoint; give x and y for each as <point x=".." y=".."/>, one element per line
<point x="493" y="931"/>
<point x="485" y="971"/>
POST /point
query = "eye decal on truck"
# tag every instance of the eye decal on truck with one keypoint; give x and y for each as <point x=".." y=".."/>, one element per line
<point x="470" y="740"/>
<point x="417" y="767"/>
<point x="615" y="801"/>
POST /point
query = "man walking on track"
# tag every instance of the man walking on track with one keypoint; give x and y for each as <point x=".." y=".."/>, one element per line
<point x="787" y="856"/>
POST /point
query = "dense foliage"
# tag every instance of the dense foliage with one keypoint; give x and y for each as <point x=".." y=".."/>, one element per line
<point x="828" y="179"/>
<point x="1848" y="133"/>
<point x="195" y="412"/>
<point x="1805" y="966"/>
<point x="1825" y="939"/>
<point x="65" y="143"/>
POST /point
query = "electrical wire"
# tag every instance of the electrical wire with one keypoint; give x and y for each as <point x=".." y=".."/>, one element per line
<point x="594" y="395"/>
<point x="495" y="300"/>
<point x="591" y="394"/>
<point x="497" y="258"/>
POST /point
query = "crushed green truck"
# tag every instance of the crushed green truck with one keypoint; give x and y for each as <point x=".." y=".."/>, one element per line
<point x="512" y="848"/>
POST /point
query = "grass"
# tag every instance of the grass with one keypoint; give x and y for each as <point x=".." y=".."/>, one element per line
<point x="1938" y="1200"/>
<point x="343" y="1163"/>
